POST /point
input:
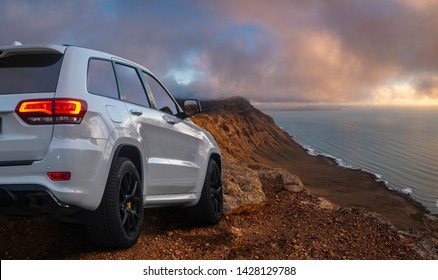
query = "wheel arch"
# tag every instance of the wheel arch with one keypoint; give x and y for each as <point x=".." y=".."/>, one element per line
<point x="217" y="157"/>
<point x="131" y="152"/>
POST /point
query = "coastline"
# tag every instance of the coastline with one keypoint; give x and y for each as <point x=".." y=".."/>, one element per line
<point x="349" y="187"/>
<point x="247" y="134"/>
<point x="252" y="137"/>
<point x="374" y="139"/>
<point x="377" y="177"/>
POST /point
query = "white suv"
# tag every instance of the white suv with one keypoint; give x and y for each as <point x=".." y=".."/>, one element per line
<point x="95" y="137"/>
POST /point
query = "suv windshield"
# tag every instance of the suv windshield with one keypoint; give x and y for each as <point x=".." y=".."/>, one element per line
<point x="29" y="73"/>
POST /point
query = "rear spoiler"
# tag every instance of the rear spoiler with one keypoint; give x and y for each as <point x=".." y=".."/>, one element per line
<point x="6" y="51"/>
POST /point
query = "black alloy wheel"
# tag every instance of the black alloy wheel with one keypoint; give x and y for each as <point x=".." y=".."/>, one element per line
<point x="209" y="208"/>
<point x="216" y="190"/>
<point x="117" y="222"/>
<point x="130" y="202"/>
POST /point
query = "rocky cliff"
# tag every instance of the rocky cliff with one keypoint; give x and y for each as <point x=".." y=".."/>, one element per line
<point x="243" y="132"/>
<point x="254" y="147"/>
<point x="248" y="140"/>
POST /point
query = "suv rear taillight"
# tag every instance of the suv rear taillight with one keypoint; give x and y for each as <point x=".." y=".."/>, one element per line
<point x="52" y="111"/>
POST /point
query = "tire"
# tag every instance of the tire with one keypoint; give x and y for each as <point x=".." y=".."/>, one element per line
<point x="209" y="209"/>
<point x="117" y="222"/>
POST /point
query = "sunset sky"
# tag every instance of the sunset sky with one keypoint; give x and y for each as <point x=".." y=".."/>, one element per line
<point x="323" y="51"/>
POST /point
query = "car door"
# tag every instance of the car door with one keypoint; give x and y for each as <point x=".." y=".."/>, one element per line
<point x="183" y="152"/>
<point x="156" y="133"/>
<point x="149" y="125"/>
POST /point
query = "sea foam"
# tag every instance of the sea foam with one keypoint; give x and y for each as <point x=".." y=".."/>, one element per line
<point x="407" y="190"/>
<point x="342" y="163"/>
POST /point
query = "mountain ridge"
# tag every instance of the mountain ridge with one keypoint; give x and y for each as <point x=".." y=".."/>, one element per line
<point x="243" y="132"/>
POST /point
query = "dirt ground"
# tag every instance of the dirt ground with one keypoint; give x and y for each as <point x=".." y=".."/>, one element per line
<point x="288" y="226"/>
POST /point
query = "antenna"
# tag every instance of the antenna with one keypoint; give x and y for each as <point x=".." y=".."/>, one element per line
<point x="17" y="43"/>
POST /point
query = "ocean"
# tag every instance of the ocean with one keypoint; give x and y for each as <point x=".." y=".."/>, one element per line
<point x="398" y="144"/>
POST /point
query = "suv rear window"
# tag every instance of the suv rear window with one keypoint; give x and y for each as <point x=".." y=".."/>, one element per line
<point x="29" y="73"/>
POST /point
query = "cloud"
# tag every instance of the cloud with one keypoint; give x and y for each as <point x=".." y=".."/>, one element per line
<point x="343" y="50"/>
<point x="287" y="50"/>
<point x="426" y="85"/>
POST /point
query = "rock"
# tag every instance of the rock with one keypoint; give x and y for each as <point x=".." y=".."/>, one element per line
<point x="242" y="186"/>
<point x="431" y="217"/>
<point x="326" y="204"/>
<point x="294" y="188"/>
<point x="236" y="232"/>
<point x="291" y="182"/>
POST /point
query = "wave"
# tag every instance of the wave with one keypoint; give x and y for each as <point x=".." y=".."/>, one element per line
<point x="309" y="150"/>
<point x="340" y="162"/>
<point x="407" y="190"/>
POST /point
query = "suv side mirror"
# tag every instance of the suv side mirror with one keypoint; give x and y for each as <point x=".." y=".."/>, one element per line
<point x="192" y="107"/>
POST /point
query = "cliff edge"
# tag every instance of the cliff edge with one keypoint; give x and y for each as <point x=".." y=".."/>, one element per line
<point x="259" y="155"/>
<point x="243" y="132"/>
<point x="249" y="141"/>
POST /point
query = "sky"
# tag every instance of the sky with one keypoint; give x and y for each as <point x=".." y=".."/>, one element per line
<point x="299" y="51"/>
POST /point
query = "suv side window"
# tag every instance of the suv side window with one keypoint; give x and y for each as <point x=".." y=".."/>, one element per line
<point x="101" y="79"/>
<point x="131" y="86"/>
<point x="163" y="101"/>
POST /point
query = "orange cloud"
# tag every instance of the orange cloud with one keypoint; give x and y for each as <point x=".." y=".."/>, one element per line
<point x="284" y="50"/>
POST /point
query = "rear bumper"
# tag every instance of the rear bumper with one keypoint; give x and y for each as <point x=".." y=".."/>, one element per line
<point x="84" y="158"/>
<point x="32" y="200"/>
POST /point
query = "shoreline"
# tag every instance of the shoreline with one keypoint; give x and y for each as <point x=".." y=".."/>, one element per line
<point x="376" y="140"/>
<point x="384" y="185"/>
<point x="377" y="178"/>
<point x="353" y="187"/>
<point x="249" y="135"/>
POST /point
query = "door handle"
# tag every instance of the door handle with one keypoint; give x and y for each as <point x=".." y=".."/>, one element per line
<point x="136" y="112"/>
<point x="169" y="119"/>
